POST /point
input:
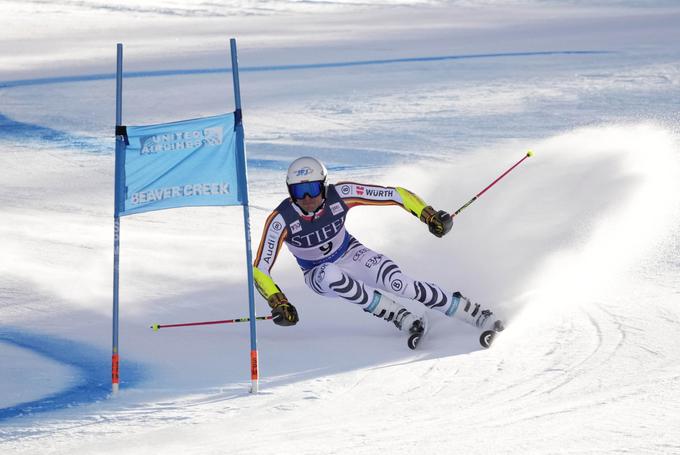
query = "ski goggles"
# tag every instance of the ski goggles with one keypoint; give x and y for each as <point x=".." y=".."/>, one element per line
<point x="299" y="190"/>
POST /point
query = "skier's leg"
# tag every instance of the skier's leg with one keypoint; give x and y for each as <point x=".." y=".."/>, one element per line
<point x="379" y="271"/>
<point x="328" y="280"/>
<point x="331" y="281"/>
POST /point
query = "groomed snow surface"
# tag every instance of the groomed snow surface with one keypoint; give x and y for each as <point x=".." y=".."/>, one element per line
<point x="577" y="248"/>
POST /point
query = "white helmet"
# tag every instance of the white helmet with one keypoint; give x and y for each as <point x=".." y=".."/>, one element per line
<point x="306" y="176"/>
<point x="306" y="169"/>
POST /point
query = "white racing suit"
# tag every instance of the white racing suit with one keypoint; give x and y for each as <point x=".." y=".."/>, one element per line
<point x="335" y="264"/>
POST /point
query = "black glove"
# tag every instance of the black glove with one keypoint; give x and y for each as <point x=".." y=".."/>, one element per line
<point x="439" y="223"/>
<point x="284" y="312"/>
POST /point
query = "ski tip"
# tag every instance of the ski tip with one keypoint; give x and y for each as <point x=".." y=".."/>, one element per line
<point x="413" y="341"/>
<point x="530" y="153"/>
<point x="155" y="327"/>
<point x="486" y="338"/>
<point x="417" y="331"/>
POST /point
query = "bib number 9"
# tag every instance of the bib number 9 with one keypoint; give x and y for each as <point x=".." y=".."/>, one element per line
<point x="326" y="249"/>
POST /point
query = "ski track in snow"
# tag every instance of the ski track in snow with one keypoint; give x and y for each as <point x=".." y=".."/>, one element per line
<point x="306" y="66"/>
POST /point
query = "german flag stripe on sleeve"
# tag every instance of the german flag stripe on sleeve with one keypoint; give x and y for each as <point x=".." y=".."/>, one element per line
<point x="263" y="239"/>
<point x="355" y="201"/>
<point x="278" y="247"/>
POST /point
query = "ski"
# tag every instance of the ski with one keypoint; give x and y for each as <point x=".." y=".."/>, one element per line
<point x="487" y="337"/>
<point x="417" y="332"/>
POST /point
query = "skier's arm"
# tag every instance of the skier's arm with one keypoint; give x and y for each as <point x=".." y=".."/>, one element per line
<point x="272" y="238"/>
<point x="439" y="222"/>
<point x="265" y="284"/>
<point x="355" y="194"/>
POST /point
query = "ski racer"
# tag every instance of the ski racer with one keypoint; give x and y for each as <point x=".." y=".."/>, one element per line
<point x="311" y="222"/>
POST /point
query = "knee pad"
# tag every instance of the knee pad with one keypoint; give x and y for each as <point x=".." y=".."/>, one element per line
<point x="322" y="276"/>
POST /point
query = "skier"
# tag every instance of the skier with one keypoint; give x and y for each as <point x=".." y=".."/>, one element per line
<point x="312" y="224"/>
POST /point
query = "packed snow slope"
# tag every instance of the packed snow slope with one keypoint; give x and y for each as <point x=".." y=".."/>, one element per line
<point x="577" y="248"/>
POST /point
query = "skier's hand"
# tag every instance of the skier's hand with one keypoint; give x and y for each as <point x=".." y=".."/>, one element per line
<point x="284" y="312"/>
<point x="439" y="223"/>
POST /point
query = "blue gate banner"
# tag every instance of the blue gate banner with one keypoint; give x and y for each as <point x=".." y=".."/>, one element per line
<point x="181" y="164"/>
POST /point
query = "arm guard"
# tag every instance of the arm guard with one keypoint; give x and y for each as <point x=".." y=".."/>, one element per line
<point x="264" y="284"/>
<point x="412" y="202"/>
<point x="422" y="211"/>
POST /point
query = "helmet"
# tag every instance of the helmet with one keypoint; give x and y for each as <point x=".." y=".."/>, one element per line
<point x="303" y="170"/>
<point x="306" y="169"/>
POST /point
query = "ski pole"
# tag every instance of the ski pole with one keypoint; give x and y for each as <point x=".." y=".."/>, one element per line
<point x="529" y="153"/>
<point x="157" y="327"/>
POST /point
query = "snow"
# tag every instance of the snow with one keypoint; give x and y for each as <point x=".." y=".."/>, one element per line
<point x="578" y="247"/>
<point x="28" y="376"/>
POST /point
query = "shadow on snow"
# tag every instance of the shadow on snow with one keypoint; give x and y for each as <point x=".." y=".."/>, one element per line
<point x="94" y="369"/>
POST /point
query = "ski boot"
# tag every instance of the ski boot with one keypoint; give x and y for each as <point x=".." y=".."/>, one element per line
<point x="472" y="313"/>
<point x="391" y="311"/>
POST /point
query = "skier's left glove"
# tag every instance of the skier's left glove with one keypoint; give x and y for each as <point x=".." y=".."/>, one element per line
<point x="439" y="223"/>
<point x="283" y="312"/>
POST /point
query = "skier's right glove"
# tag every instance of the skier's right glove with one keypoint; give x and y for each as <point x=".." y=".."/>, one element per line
<point x="284" y="312"/>
<point x="439" y="223"/>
